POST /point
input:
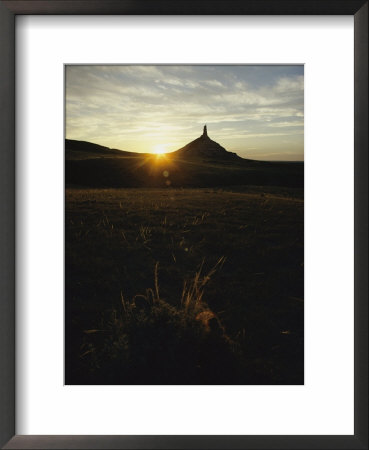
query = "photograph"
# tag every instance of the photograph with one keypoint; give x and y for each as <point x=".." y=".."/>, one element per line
<point x="184" y="224"/>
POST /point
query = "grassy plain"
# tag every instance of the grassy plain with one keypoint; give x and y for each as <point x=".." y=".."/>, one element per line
<point x="184" y="286"/>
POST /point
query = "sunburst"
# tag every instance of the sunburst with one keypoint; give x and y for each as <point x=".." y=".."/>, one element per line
<point x="159" y="149"/>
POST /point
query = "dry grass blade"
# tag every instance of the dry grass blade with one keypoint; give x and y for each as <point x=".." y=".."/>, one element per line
<point x="192" y="294"/>
<point x="156" y="281"/>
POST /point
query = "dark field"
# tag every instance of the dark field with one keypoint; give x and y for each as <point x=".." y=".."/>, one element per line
<point x="184" y="286"/>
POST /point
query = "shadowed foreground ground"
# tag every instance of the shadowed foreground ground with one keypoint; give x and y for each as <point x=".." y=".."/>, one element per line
<point x="184" y="286"/>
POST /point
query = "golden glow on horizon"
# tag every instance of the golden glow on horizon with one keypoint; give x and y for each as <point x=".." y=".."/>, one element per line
<point x="159" y="149"/>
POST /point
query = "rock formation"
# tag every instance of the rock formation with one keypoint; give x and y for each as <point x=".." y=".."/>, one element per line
<point x="204" y="147"/>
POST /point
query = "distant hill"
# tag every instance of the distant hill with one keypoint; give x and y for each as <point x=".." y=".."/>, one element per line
<point x="83" y="150"/>
<point x="201" y="163"/>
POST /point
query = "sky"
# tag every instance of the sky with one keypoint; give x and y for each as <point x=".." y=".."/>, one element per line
<point x="256" y="111"/>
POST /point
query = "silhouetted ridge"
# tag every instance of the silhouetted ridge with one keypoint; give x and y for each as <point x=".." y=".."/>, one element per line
<point x="204" y="147"/>
<point x="201" y="163"/>
<point x="75" y="148"/>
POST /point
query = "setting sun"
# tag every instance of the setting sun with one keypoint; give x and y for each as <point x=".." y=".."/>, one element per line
<point x="159" y="149"/>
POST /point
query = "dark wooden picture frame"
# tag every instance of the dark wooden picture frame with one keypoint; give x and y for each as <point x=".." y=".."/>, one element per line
<point x="8" y="11"/>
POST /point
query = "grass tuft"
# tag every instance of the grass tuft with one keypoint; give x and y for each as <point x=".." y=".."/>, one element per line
<point x="148" y="340"/>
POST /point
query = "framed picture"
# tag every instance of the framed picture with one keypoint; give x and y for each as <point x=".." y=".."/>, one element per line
<point x="184" y="225"/>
